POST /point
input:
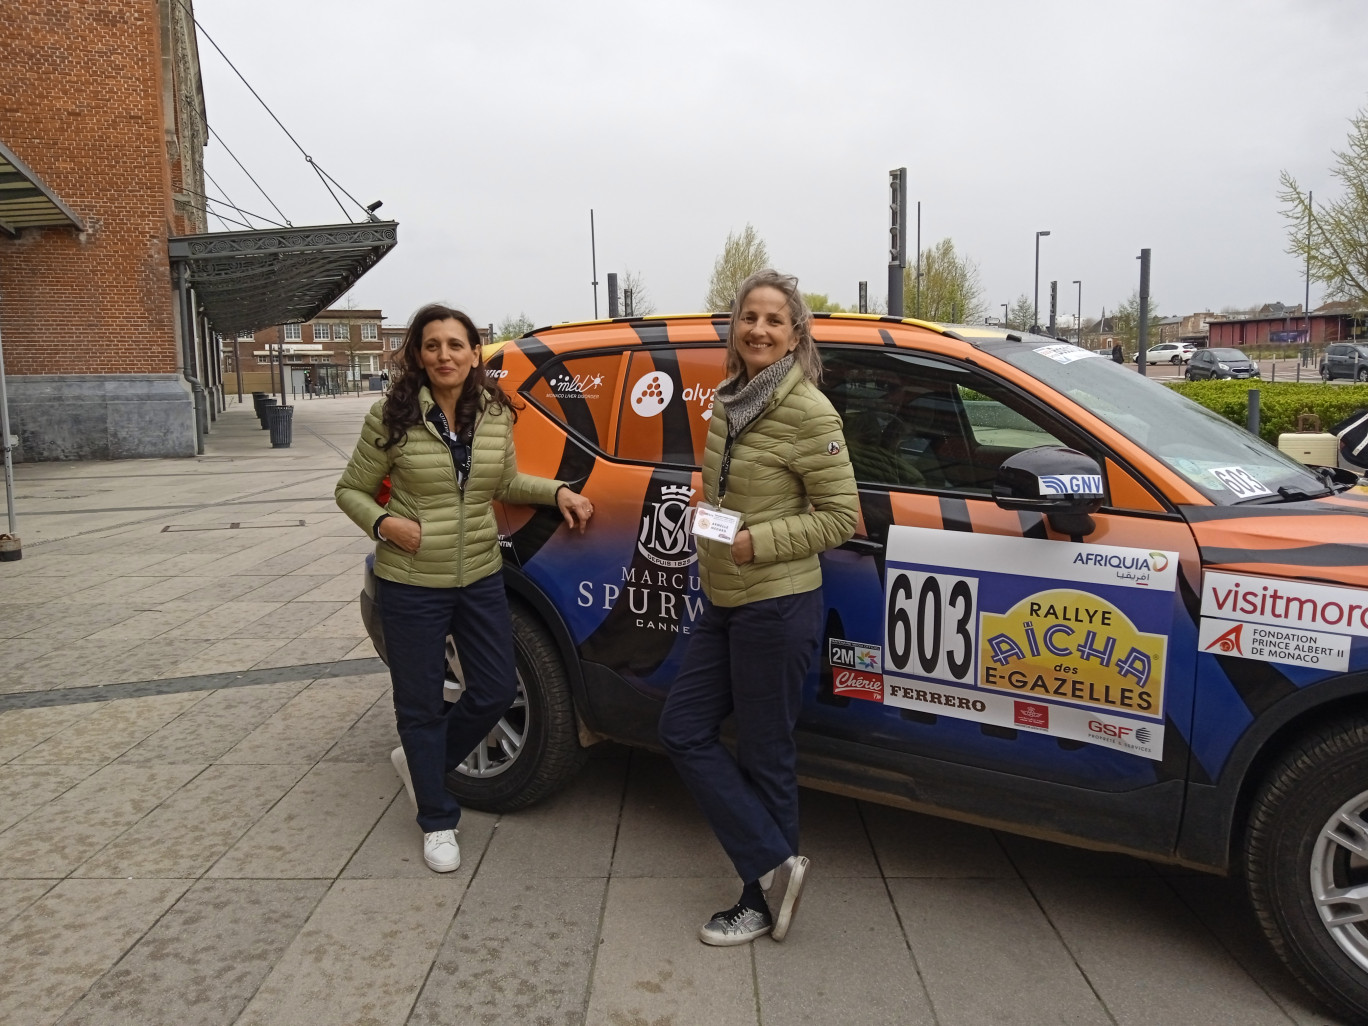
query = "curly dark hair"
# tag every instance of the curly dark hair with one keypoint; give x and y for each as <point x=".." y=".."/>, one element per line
<point x="402" y="409"/>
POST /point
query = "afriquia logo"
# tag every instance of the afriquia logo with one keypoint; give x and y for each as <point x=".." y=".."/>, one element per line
<point x="664" y="538"/>
<point x="578" y="386"/>
<point x="651" y="394"/>
<point x="1158" y="562"/>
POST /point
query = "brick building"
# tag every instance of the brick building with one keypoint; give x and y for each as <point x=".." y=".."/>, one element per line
<point x="342" y="348"/>
<point x="1275" y="324"/>
<point x="109" y="314"/>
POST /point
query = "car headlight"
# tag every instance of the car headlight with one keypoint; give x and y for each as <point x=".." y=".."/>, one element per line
<point x="1255" y="365"/>
<point x="1223" y="366"/>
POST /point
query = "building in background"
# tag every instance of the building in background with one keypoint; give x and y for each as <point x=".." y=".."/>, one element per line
<point x="1275" y="324"/>
<point x="339" y="350"/>
<point x="113" y="294"/>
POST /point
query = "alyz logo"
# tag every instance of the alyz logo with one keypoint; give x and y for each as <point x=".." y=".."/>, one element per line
<point x="651" y="394"/>
<point x="664" y="537"/>
<point x="855" y="656"/>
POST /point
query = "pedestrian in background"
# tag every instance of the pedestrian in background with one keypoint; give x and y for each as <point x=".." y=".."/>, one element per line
<point x="443" y="436"/>
<point x="777" y="459"/>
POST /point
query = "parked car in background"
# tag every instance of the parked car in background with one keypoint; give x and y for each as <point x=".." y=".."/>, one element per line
<point x="1077" y="606"/>
<point x="1168" y="352"/>
<point x="1221" y="363"/>
<point x="1345" y="360"/>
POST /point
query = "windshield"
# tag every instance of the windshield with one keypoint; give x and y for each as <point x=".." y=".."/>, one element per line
<point x="1227" y="354"/>
<point x="1227" y="463"/>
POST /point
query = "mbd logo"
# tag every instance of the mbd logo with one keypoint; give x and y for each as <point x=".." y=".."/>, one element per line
<point x="652" y="393"/>
<point x="664" y="537"/>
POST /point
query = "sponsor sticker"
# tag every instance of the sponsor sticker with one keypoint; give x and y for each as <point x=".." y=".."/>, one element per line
<point x="855" y="655"/>
<point x="1293" y="604"/>
<point x="1070" y="484"/>
<point x="664" y="536"/>
<point x="1065" y="353"/>
<point x="651" y="394"/>
<point x="1294" y="646"/>
<point x="857" y="684"/>
<point x="1241" y="483"/>
<point x="1031" y="714"/>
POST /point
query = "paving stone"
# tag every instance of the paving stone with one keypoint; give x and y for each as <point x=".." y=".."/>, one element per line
<point x="361" y="958"/>
<point x="159" y="657"/>
<point x="153" y="623"/>
<point x="346" y="586"/>
<point x="25" y="788"/>
<point x="1148" y="958"/>
<point x="662" y="833"/>
<point x="987" y="953"/>
<point x="832" y="835"/>
<point x="55" y="839"/>
<point x="225" y="619"/>
<point x="306" y="726"/>
<point x="304" y="650"/>
<point x="570" y="834"/>
<point x="312" y="832"/>
<point x="519" y="952"/>
<point x="110" y="730"/>
<point x="51" y="953"/>
<point x="371" y="738"/>
<point x="214" y="725"/>
<point x="193" y="828"/>
<point x="911" y="844"/>
<point x="1035" y="859"/>
<point x="650" y="967"/>
<point x="24" y="729"/>
<point x="393" y="850"/>
<point x="17" y="895"/>
<point x="286" y="588"/>
<point x="19" y="651"/>
<point x="75" y="620"/>
<point x="205" y="958"/>
<point x="290" y="620"/>
<point x="344" y="623"/>
<point x="76" y="663"/>
<point x="844" y="960"/>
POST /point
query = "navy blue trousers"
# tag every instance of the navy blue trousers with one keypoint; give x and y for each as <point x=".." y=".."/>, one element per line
<point x="750" y="662"/>
<point x="437" y="735"/>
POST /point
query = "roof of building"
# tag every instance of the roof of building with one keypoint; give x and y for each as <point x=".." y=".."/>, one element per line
<point x="25" y="202"/>
<point x="254" y="279"/>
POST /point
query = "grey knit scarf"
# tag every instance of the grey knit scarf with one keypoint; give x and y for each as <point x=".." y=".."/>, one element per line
<point x="745" y="400"/>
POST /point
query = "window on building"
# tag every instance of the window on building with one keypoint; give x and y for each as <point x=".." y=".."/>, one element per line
<point x="294" y="332"/>
<point x="264" y="359"/>
<point x="321" y="358"/>
<point x="322" y="332"/>
<point x="396" y="342"/>
<point x="341" y="331"/>
<point x="246" y="336"/>
<point x="370" y="332"/>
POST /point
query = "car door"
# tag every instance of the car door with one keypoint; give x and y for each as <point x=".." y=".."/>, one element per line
<point x="1200" y="367"/>
<point x="925" y="437"/>
<point x="1336" y="364"/>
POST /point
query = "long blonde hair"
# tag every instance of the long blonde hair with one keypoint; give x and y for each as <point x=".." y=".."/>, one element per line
<point x="805" y="352"/>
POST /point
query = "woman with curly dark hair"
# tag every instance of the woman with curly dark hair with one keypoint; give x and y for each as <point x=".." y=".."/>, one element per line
<point x="443" y="436"/>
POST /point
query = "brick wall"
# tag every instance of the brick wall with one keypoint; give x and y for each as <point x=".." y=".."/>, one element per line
<point x="82" y="105"/>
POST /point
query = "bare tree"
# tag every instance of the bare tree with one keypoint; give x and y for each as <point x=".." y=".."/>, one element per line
<point x="1334" y="235"/>
<point x="642" y="304"/>
<point x="743" y="254"/>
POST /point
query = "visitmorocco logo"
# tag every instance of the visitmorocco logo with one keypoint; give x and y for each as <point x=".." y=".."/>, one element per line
<point x="1275" y="621"/>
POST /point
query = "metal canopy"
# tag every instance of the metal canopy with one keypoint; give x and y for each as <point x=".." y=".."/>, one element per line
<point x="25" y="202"/>
<point x="254" y="279"/>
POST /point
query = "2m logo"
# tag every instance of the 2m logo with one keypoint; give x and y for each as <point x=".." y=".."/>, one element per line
<point x="930" y="625"/>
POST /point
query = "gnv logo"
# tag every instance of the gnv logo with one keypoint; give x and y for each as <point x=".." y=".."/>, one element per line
<point x="652" y="393"/>
<point x="664" y="537"/>
<point x="1071" y="484"/>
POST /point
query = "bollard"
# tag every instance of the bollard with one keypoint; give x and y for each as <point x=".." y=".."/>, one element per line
<point x="1252" y="412"/>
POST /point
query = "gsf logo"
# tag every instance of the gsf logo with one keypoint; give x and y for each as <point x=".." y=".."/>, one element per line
<point x="931" y="617"/>
<point x="1109" y="729"/>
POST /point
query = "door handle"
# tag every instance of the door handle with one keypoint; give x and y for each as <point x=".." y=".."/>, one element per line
<point x="865" y="546"/>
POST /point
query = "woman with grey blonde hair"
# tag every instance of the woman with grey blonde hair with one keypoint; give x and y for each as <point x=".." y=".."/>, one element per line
<point x="778" y="490"/>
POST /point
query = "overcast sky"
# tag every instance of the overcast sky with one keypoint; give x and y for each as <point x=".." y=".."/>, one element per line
<point x="489" y="131"/>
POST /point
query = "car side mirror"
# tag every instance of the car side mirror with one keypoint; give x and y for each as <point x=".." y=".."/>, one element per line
<point x="1063" y="484"/>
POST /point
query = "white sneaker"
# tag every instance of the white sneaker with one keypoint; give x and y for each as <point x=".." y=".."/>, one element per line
<point x="400" y="764"/>
<point x="441" y="852"/>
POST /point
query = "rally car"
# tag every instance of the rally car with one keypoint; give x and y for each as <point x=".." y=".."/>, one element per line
<point x="1077" y="606"/>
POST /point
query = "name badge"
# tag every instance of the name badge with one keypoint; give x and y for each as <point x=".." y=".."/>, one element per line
<point x="717" y="524"/>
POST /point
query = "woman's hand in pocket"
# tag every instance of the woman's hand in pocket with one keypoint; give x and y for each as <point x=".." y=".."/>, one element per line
<point x="402" y="533"/>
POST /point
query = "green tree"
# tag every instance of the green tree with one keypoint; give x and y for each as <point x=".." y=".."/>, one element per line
<point x="743" y="254"/>
<point x="513" y="327"/>
<point x="819" y="302"/>
<point x="1125" y="322"/>
<point x="950" y="286"/>
<point x="642" y="304"/>
<point x="1333" y="235"/>
<point x="1020" y="313"/>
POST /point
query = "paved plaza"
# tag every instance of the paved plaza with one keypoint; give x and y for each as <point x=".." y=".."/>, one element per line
<point x="199" y="824"/>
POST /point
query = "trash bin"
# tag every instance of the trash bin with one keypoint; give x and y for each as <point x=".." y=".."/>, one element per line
<point x="263" y="412"/>
<point x="281" y="418"/>
<point x="257" y="399"/>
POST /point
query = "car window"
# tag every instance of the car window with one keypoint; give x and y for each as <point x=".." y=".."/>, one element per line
<point x="915" y="423"/>
<point x="667" y="404"/>
<point x="579" y="391"/>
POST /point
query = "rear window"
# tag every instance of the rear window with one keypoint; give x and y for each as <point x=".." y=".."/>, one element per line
<point x="579" y="391"/>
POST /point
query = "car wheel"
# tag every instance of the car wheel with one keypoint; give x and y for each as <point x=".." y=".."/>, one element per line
<point x="1176" y="360"/>
<point x="1189" y="375"/>
<point x="1362" y="374"/>
<point x="534" y="750"/>
<point x="1306" y="862"/>
<point x="1325" y="373"/>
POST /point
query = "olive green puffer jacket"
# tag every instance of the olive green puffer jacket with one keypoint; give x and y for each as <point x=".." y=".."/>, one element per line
<point x="460" y="542"/>
<point x="791" y="481"/>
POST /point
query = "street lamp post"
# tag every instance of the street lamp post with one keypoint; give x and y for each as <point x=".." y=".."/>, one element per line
<point x="1078" y="317"/>
<point x="1035" y="305"/>
<point x="1004" y="316"/>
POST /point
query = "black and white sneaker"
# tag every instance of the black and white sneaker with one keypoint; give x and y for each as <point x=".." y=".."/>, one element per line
<point x="736" y="925"/>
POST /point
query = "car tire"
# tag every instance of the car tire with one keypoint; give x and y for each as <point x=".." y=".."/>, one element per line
<point x="1325" y="373"/>
<point x="1362" y="374"/>
<point x="1188" y="374"/>
<point x="535" y="749"/>
<point x="1307" y="844"/>
<point x="1176" y="360"/>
